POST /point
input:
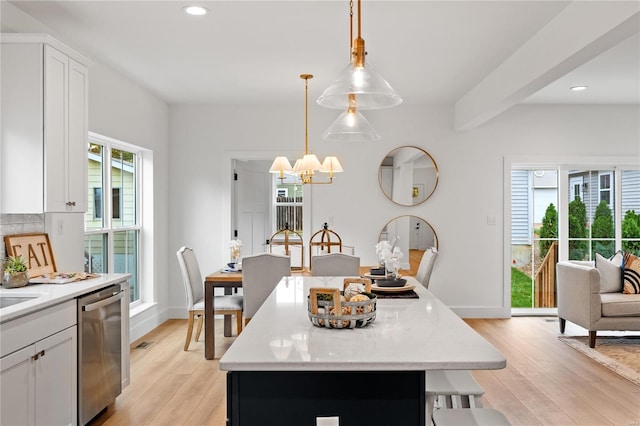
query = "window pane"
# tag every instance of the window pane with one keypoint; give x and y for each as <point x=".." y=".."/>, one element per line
<point x="95" y="253"/>
<point x="591" y="214"/>
<point x="123" y="182"/>
<point x="95" y="206"/>
<point x="630" y="188"/>
<point x="125" y="258"/>
<point x="534" y="237"/>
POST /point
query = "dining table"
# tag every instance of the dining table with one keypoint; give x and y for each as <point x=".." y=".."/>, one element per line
<point x="229" y="281"/>
<point x="285" y="367"/>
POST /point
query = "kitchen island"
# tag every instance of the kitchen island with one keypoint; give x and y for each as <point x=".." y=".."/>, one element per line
<point x="283" y="370"/>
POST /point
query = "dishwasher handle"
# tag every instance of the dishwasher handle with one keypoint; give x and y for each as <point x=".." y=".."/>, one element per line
<point x="99" y="304"/>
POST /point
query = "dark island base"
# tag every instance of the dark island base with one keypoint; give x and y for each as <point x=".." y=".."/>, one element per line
<point x="296" y="398"/>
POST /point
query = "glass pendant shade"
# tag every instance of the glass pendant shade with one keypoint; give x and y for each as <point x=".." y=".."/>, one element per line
<point x="351" y="126"/>
<point x="370" y="88"/>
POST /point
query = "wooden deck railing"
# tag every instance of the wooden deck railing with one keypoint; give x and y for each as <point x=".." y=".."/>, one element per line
<point x="545" y="279"/>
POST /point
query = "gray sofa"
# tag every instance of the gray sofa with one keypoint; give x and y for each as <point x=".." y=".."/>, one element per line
<point x="585" y="299"/>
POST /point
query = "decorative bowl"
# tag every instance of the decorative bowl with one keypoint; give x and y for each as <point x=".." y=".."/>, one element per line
<point x="377" y="271"/>
<point x="397" y="282"/>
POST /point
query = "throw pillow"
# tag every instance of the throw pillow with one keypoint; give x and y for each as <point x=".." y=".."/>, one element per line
<point x="610" y="273"/>
<point x="631" y="274"/>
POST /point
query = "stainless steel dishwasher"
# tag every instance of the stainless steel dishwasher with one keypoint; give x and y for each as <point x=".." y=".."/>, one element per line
<point x="99" y="351"/>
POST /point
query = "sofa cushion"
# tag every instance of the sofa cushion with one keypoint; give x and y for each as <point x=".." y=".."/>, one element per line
<point x="610" y="273"/>
<point x="620" y="305"/>
<point x="631" y="274"/>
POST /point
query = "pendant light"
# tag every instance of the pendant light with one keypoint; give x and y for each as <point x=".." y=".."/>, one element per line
<point x="371" y="90"/>
<point x="307" y="166"/>
<point x="351" y="126"/>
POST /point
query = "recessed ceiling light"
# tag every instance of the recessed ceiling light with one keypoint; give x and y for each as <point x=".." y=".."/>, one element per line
<point x="195" y="10"/>
<point x="578" y="88"/>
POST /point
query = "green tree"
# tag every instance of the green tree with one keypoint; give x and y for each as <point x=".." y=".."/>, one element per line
<point x="549" y="229"/>
<point x="631" y="229"/>
<point x="601" y="228"/>
<point x="577" y="229"/>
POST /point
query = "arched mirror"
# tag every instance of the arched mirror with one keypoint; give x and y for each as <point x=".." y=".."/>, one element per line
<point x="408" y="175"/>
<point x="414" y="236"/>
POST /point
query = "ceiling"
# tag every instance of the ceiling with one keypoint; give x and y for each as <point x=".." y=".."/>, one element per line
<point x="432" y="52"/>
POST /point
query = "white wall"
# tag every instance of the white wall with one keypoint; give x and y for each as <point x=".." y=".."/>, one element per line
<point x="120" y="109"/>
<point x="469" y="273"/>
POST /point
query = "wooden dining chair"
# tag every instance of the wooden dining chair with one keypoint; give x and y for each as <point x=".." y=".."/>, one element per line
<point x="335" y="265"/>
<point x="194" y="290"/>
<point x="260" y="275"/>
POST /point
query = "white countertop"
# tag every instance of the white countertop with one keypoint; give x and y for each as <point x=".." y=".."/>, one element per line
<point x="407" y="334"/>
<point x="52" y="294"/>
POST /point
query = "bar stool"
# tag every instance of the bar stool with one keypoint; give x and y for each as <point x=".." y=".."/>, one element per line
<point x="469" y="417"/>
<point x="453" y="389"/>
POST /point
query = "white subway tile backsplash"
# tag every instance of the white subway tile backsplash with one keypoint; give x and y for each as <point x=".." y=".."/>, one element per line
<point x="19" y="224"/>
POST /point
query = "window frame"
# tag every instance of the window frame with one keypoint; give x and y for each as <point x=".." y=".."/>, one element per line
<point x="563" y="164"/>
<point x="108" y="228"/>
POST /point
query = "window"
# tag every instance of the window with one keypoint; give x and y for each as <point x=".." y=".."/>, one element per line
<point x="560" y="213"/>
<point x="605" y="187"/>
<point x="97" y="202"/>
<point x="112" y="224"/>
<point x="591" y="217"/>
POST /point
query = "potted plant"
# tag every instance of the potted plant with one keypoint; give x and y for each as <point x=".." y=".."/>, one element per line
<point x="15" y="272"/>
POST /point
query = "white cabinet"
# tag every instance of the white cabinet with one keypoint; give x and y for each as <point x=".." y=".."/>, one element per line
<point x="44" y="126"/>
<point x="38" y="382"/>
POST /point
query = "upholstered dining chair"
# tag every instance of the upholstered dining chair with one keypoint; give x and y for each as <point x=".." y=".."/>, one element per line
<point x="426" y="266"/>
<point x="335" y="265"/>
<point x="194" y="290"/>
<point x="260" y="275"/>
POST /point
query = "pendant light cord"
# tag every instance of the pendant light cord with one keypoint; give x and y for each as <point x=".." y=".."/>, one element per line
<point x="306" y="78"/>
<point x="306" y="116"/>
<point x="350" y="27"/>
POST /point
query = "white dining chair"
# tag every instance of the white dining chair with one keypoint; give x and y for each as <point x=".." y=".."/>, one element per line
<point x="426" y="266"/>
<point x="260" y="275"/>
<point x="335" y="265"/>
<point x="194" y="290"/>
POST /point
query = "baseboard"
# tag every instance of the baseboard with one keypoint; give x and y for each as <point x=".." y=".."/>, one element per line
<point x="145" y="321"/>
<point x="481" y="311"/>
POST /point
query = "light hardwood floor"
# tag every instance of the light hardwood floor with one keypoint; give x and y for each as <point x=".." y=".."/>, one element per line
<point x="545" y="382"/>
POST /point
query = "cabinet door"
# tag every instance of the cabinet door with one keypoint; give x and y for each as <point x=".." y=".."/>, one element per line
<point x="21" y="137"/>
<point x="18" y="387"/>
<point x="78" y="138"/>
<point x="57" y="378"/>
<point x="56" y="70"/>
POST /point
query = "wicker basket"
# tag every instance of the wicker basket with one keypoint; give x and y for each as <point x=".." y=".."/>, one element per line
<point x="334" y="313"/>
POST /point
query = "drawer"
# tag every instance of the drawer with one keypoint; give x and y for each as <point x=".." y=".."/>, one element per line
<point x="27" y="330"/>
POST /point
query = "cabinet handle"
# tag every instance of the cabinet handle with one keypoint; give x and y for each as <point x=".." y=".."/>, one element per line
<point x="71" y="203"/>
<point x="38" y="355"/>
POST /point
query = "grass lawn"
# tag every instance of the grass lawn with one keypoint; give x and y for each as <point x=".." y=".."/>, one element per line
<point x="521" y="296"/>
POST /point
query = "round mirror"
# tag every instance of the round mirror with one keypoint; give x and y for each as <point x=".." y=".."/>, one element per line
<point x="413" y="235"/>
<point x="408" y="175"/>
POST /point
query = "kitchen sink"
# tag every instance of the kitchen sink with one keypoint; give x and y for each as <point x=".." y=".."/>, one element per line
<point x="6" y="301"/>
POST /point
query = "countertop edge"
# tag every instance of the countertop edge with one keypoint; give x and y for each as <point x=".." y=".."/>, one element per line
<point x="52" y="294"/>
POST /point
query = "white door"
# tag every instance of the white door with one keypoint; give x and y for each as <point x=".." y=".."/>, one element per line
<point x="575" y="185"/>
<point x="252" y="191"/>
